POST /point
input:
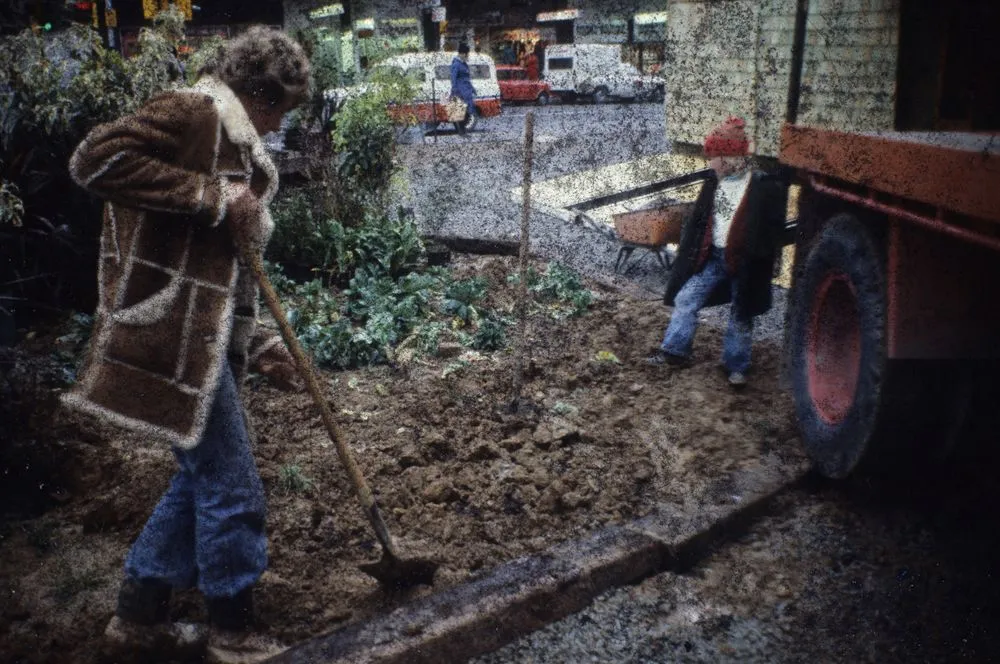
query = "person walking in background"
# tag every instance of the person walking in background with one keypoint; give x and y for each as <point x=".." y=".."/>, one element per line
<point x="461" y="86"/>
<point x="187" y="181"/>
<point x="507" y="56"/>
<point x="531" y="64"/>
<point x="726" y="254"/>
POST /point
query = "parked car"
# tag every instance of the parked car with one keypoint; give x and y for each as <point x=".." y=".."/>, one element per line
<point x="516" y="86"/>
<point x="597" y="71"/>
<point x="432" y="74"/>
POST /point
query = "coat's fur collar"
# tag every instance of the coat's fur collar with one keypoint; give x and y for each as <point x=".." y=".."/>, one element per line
<point x="239" y="128"/>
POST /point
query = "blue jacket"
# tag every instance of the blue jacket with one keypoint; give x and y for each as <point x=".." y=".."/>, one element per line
<point x="461" y="83"/>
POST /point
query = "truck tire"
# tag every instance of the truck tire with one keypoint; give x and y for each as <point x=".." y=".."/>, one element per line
<point x="601" y="95"/>
<point x="543" y="99"/>
<point x="837" y="352"/>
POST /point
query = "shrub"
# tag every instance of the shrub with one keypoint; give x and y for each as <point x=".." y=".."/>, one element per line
<point x="364" y="145"/>
<point x="54" y="88"/>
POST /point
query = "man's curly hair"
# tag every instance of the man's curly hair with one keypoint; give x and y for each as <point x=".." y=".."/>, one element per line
<point x="266" y="64"/>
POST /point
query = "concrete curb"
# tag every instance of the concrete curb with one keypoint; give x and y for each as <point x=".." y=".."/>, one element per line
<point x="528" y="593"/>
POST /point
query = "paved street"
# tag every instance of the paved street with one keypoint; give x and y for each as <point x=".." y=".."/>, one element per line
<point x="643" y="123"/>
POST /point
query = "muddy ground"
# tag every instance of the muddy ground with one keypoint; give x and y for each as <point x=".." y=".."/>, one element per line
<point x="458" y="477"/>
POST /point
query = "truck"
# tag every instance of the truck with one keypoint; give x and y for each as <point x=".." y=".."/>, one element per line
<point x="890" y="144"/>
<point x="596" y="71"/>
<point x="892" y="326"/>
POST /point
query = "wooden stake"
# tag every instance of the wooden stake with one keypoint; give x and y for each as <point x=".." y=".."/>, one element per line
<point x="521" y="306"/>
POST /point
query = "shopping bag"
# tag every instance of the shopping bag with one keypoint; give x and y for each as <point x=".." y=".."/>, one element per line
<point x="456" y="110"/>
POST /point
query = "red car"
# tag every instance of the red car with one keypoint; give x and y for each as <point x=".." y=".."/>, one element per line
<point x="516" y="86"/>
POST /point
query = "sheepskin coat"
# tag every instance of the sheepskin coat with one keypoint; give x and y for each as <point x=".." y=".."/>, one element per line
<point x="174" y="299"/>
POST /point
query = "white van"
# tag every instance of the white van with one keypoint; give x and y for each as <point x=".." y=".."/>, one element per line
<point x="432" y="72"/>
<point x="597" y="71"/>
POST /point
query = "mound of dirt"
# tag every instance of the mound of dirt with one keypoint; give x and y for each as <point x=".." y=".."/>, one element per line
<point x="600" y="437"/>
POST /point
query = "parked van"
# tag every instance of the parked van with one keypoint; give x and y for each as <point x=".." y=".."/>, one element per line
<point x="597" y="71"/>
<point x="432" y="72"/>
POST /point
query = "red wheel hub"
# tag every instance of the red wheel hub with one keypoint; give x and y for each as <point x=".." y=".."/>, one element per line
<point x="834" y="347"/>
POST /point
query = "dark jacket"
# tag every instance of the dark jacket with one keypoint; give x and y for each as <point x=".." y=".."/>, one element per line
<point x="461" y="83"/>
<point x="751" y="246"/>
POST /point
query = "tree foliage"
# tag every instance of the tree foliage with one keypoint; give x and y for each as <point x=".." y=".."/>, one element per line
<point x="54" y="88"/>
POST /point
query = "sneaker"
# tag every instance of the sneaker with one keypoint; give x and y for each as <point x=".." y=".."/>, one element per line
<point x="737" y="380"/>
<point x="179" y="639"/>
<point x="229" y="647"/>
<point x="661" y="357"/>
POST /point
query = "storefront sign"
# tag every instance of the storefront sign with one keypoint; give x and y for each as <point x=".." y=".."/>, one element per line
<point x="561" y="15"/>
<point x="399" y="27"/>
<point x="650" y="18"/>
<point x="365" y="25"/>
<point x="610" y="31"/>
<point x="326" y="11"/>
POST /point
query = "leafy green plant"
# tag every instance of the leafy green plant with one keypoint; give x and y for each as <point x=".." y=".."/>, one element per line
<point x="562" y="285"/>
<point x="461" y="296"/>
<point x="454" y="367"/>
<point x="383" y="245"/>
<point x="563" y="408"/>
<point x="606" y="356"/>
<point x="491" y="335"/>
<point x="292" y="480"/>
<point x="428" y="336"/>
<point x="303" y="236"/>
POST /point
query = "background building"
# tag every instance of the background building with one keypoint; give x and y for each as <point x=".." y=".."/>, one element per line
<point x="503" y="29"/>
<point x="867" y="65"/>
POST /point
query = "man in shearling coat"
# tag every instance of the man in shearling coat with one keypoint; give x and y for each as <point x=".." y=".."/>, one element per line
<point x="187" y="182"/>
<point x="727" y="253"/>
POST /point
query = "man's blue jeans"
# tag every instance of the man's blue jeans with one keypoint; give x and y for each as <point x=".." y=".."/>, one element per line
<point x="208" y="529"/>
<point x="680" y="332"/>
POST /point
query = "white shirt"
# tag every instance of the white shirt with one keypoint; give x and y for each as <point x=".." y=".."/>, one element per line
<point x="728" y="195"/>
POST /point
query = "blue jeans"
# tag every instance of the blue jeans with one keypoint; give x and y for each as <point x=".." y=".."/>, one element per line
<point x="208" y="528"/>
<point x="679" y="336"/>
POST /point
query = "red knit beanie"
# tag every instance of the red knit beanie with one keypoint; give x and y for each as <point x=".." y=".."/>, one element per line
<point x="729" y="139"/>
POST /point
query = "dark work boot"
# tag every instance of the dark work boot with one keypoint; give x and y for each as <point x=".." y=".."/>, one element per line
<point x="234" y="638"/>
<point x="144" y="602"/>
<point x="140" y="622"/>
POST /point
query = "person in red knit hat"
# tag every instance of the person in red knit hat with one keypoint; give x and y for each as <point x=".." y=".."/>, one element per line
<point x="726" y="254"/>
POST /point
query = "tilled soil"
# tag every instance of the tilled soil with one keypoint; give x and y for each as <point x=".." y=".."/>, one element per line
<point x="598" y="439"/>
